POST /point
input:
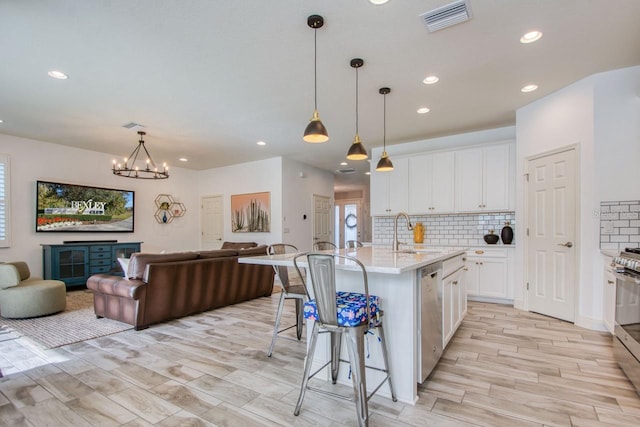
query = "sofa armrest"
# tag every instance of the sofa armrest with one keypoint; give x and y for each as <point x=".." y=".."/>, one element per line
<point x="116" y="285"/>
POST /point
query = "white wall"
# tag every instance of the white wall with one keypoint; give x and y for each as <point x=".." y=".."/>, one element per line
<point x="251" y="177"/>
<point x="300" y="182"/>
<point x="32" y="160"/>
<point x="599" y="115"/>
<point x="617" y="135"/>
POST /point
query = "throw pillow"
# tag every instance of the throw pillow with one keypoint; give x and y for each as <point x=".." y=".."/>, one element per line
<point x="124" y="264"/>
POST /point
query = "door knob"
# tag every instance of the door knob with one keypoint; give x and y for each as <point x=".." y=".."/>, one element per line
<point x="568" y="244"/>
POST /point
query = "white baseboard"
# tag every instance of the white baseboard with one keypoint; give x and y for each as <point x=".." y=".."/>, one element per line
<point x="489" y="299"/>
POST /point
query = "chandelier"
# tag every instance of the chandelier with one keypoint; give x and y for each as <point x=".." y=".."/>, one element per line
<point x="131" y="170"/>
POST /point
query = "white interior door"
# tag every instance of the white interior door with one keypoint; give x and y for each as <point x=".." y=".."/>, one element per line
<point x="212" y="222"/>
<point x="322" y="219"/>
<point x="551" y="249"/>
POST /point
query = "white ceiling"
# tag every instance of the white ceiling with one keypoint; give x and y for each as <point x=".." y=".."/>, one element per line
<point x="209" y="78"/>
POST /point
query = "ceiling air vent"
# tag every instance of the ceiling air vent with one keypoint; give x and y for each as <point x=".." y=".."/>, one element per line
<point x="132" y="125"/>
<point x="347" y="170"/>
<point x="447" y="15"/>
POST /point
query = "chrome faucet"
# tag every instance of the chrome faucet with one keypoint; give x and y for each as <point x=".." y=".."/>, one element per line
<point x="396" y="243"/>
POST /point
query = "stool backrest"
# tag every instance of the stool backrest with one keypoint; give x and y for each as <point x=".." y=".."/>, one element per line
<point x="285" y="274"/>
<point x="323" y="286"/>
<point x="323" y="246"/>
<point x="353" y="244"/>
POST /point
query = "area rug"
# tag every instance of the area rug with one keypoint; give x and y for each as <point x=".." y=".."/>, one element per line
<point x="76" y="323"/>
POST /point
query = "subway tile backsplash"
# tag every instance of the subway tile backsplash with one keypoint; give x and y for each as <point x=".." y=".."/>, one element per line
<point x="444" y="230"/>
<point x="619" y="225"/>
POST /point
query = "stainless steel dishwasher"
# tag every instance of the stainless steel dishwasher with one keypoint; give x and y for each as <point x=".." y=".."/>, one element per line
<point x="430" y="325"/>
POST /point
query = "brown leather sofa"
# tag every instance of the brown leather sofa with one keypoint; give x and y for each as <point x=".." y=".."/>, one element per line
<point x="161" y="287"/>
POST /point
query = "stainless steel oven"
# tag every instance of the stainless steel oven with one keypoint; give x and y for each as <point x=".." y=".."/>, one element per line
<point x="626" y="340"/>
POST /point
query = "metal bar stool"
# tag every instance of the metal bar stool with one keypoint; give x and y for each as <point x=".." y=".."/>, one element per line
<point x="292" y="288"/>
<point x="341" y="313"/>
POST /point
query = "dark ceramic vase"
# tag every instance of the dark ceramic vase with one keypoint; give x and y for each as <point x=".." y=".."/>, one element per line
<point x="506" y="234"/>
<point x="491" y="238"/>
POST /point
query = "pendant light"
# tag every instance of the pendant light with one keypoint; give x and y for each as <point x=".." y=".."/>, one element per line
<point x="384" y="164"/>
<point x="357" y="150"/>
<point x="315" y="131"/>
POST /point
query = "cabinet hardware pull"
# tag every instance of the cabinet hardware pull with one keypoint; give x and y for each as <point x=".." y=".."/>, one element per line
<point x="611" y="282"/>
<point x="479" y="252"/>
<point x="465" y="269"/>
<point x="455" y="282"/>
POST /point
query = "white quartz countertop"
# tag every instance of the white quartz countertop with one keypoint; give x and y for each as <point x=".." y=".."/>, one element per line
<point x="376" y="259"/>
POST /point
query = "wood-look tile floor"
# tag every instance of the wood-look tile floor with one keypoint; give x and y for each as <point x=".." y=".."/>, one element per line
<point x="504" y="367"/>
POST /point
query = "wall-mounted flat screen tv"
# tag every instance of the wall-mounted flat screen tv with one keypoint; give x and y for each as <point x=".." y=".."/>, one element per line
<point x="80" y="208"/>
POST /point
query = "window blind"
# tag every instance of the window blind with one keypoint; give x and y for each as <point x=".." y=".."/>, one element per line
<point x="4" y="201"/>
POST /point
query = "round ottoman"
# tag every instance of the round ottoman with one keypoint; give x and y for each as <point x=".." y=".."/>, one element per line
<point x="33" y="298"/>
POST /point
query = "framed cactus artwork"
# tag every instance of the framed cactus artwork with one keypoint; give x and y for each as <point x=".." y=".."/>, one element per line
<point x="251" y="213"/>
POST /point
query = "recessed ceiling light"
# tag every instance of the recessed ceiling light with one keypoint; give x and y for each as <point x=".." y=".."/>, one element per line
<point x="423" y="110"/>
<point x="367" y="173"/>
<point x="529" y="88"/>
<point x="378" y="2"/>
<point x="183" y="159"/>
<point x="343" y="163"/>
<point x="1" y="121"/>
<point x="429" y="80"/>
<point x="531" y="37"/>
<point x="58" y="75"/>
<point x="261" y="143"/>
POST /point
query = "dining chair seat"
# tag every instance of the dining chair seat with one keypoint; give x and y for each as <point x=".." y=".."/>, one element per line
<point x="351" y="308"/>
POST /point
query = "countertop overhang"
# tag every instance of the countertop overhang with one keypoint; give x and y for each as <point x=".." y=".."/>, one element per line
<point x="376" y="259"/>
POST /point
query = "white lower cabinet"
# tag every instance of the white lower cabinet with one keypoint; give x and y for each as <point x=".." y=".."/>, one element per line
<point x="454" y="298"/>
<point x="489" y="273"/>
<point x="609" y="296"/>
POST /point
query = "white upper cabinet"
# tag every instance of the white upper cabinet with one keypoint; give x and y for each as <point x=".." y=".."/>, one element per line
<point x="431" y="178"/>
<point x="390" y="190"/>
<point x="479" y="179"/>
<point x="483" y="179"/>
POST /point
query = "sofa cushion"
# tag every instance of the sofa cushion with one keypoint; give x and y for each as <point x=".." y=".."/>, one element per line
<point x="258" y="250"/>
<point x="139" y="261"/>
<point x="217" y="253"/>
<point x="124" y="264"/>
<point x="238" y="245"/>
<point x="23" y="269"/>
<point x="9" y="276"/>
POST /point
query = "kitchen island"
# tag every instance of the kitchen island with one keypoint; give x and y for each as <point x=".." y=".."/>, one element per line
<point x="394" y="276"/>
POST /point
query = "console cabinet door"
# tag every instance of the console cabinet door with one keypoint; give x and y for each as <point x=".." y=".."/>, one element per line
<point x="70" y="264"/>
